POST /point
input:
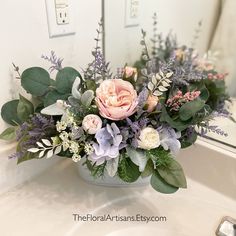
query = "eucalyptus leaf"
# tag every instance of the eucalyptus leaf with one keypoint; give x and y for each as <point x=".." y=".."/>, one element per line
<point x="24" y="109"/>
<point x="65" y="79"/>
<point x="35" y="81"/>
<point x="173" y="174"/>
<point x="189" y="109"/>
<point x="149" y="169"/>
<point x="160" y="185"/>
<point x="138" y="157"/>
<point x="8" y="134"/>
<point x="53" y="96"/>
<point x="9" y="113"/>
<point x="27" y="156"/>
<point x="177" y="124"/>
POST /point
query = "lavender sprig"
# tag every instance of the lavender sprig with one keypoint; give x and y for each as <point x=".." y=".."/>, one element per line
<point x="98" y="69"/>
<point x="54" y="60"/>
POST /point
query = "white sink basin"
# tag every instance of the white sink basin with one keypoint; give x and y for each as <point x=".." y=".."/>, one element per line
<point x="46" y="204"/>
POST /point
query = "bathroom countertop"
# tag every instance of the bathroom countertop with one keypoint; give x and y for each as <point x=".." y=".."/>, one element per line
<point x="44" y="206"/>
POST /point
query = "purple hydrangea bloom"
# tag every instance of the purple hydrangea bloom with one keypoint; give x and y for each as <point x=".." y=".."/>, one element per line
<point x="108" y="144"/>
<point x="169" y="139"/>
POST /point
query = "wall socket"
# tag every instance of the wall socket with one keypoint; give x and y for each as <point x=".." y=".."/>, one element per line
<point x="61" y="17"/>
<point x="132" y="13"/>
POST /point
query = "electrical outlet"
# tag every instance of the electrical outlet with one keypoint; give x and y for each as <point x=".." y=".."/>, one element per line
<point x="60" y="15"/>
<point x="131" y="13"/>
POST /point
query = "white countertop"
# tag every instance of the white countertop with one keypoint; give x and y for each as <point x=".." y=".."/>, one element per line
<point x="44" y="207"/>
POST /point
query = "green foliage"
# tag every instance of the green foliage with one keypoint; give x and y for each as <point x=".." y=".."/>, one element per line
<point x="217" y="91"/>
<point x="96" y="171"/>
<point x="189" y="109"/>
<point x="160" y="185"/>
<point x="148" y="170"/>
<point x="160" y="157"/>
<point x="188" y="140"/>
<point x="53" y="96"/>
<point x="87" y="97"/>
<point x="90" y="84"/>
<point x="168" y="168"/>
<point x="127" y="170"/>
<point x="65" y="79"/>
<point x="9" y="113"/>
<point x="177" y="123"/>
<point x="36" y="81"/>
<point x="204" y="95"/>
<point x="24" y="109"/>
<point x="27" y="156"/>
<point x="173" y="174"/>
<point x="8" y="134"/>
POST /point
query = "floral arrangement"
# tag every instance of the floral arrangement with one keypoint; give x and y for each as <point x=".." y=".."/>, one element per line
<point x="130" y="125"/>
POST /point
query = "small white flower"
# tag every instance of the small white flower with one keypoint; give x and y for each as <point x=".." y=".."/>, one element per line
<point x="149" y="138"/>
<point x="92" y="123"/>
<point x="69" y="119"/>
<point x="61" y="125"/>
<point x="65" y="145"/>
<point x="76" y="157"/>
<point x="74" y="147"/>
<point x="88" y="148"/>
<point x="64" y="136"/>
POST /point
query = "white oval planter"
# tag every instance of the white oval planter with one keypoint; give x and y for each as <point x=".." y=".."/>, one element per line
<point x="106" y="180"/>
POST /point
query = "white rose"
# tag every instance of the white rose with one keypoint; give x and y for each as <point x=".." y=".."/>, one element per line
<point x="91" y="124"/>
<point x="148" y="138"/>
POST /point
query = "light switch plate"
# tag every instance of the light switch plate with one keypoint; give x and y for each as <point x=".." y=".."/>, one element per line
<point x="60" y="20"/>
<point x="132" y="9"/>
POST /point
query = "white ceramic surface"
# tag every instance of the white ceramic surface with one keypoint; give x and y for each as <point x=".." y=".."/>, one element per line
<point x="46" y="204"/>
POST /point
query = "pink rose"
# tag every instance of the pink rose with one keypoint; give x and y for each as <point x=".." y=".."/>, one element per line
<point x="152" y="102"/>
<point x="130" y="71"/>
<point x="116" y="99"/>
<point x="92" y="123"/>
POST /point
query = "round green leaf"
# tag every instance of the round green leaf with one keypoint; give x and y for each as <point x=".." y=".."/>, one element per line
<point x="65" y="79"/>
<point x="160" y="185"/>
<point x="53" y="96"/>
<point x="173" y="174"/>
<point x="128" y="171"/>
<point x="24" y="109"/>
<point x="177" y="123"/>
<point x="9" y="113"/>
<point x="8" y="134"/>
<point x="189" y="109"/>
<point x="35" y="81"/>
<point x="188" y="140"/>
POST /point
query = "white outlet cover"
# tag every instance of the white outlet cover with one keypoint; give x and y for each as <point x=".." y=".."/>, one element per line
<point x="132" y="9"/>
<point x="55" y="29"/>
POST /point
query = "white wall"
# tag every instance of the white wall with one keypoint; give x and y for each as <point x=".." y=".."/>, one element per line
<point x="23" y="38"/>
<point x="182" y="16"/>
